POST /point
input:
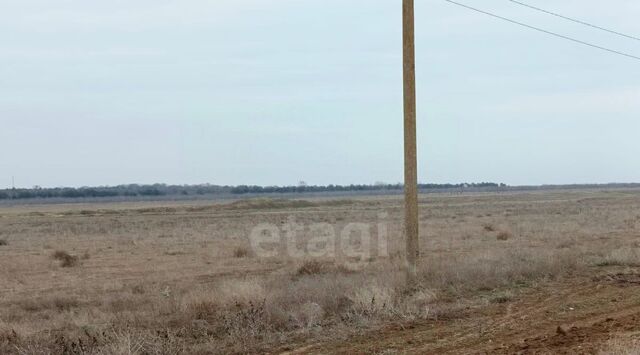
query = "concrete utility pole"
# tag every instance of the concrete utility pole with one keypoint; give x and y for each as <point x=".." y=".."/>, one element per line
<point x="410" y="145"/>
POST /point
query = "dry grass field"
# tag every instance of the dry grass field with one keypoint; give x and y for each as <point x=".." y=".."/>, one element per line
<point x="500" y="273"/>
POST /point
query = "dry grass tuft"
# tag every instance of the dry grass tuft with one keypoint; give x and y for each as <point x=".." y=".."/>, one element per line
<point x="498" y="269"/>
<point x="311" y="267"/>
<point x="241" y="252"/>
<point x="138" y="290"/>
<point x="3" y="242"/>
<point x="174" y="253"/>
<point x="621" y="346"/>
<point x="269" y="203"/>
<point x="233" y="292"/>
<point x="504" y="235"/>
<point x="621" y="257"/>
<point x="374" y="299"/>
<point x="57" y="303"/>
<point x="66" y="259"/>
<point x="8" y="336"/>
<point x="204" y="309"/>
<point x="488" y="227"/>
<point x="565" y="244"/>
<point x="501" y="297"/>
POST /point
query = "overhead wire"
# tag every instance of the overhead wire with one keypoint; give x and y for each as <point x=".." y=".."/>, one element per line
<point x="575" y="40"/>
<point x="575" y="20"/>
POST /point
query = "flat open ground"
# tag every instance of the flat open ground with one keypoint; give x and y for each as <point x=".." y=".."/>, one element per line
<point x="543" y="272"/>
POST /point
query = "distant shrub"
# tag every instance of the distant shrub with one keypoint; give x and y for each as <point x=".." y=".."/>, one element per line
<point x="502" y="297"/>
<point x="504" y="235"/>
<point x="311" y="267"/>
<point x="66" y="259"/>
<point x="489" y="227"/>
<point x="138" y="290"/>
<point x="3" y="242"/>
<point x="241" y="252"/>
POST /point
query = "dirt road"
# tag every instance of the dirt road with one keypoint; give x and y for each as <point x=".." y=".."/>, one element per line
<point x="576" y="316"/>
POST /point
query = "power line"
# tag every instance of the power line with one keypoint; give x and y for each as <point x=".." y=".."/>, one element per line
<point x="547" y="32"/>
<point x="575" y="20"/>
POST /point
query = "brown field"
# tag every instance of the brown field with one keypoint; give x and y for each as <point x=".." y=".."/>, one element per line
<point x="544" y="272"/>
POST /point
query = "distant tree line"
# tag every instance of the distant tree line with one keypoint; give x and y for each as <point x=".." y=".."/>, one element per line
<point x="132" y="190"/>
<point x="155" y="190"/>
<point x="244" y="189"/>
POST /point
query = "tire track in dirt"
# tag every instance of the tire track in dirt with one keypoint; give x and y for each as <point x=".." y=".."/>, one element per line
<point x="573" y="316"/>
<point x="577" y="339"/>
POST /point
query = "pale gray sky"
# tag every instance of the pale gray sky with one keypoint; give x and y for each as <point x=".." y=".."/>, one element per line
<point x="273" y="92"/>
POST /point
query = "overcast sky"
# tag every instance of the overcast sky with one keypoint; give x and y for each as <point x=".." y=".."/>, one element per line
<point x="277" y="91"/>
